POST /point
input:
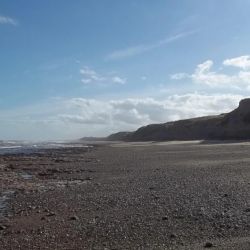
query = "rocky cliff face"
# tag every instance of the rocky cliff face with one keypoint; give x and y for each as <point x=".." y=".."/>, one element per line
<point x="236" y="124"/>
<point x="233" y="125"/>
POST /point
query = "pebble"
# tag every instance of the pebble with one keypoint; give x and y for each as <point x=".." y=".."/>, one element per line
<point x="2" y="227"/>
<point x="164" y="218"/>
<point x="172" y="236"/>
<point x="74" y="218"/>
<point x="51" y="214"/>
<point x="208" y="245"/>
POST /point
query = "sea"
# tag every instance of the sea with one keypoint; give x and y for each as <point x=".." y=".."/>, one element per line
<point x="17" y="147"/>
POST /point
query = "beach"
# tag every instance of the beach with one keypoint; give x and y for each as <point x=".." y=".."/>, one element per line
<point x="178" y="195"/>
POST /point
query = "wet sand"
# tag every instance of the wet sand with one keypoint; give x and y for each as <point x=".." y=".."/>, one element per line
<point x="127" y="196"/>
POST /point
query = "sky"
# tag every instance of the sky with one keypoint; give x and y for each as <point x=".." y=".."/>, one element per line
<point x="70" y="69"/>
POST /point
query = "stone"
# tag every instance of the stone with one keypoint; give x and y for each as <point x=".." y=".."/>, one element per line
<point x="172" y="236"/>
<point x="74" y="217"/>
<point x="2" y="227"/>
<point x="51" y="214"/>
<point x="208" y="245"/>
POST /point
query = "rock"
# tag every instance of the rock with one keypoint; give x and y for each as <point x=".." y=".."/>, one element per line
<point x="156" y="197"/>
<point x="58" y="160"/>
<point x="74" y="217"/>
<point x="51" y="214"/>
<point x="2" y="227"/>
<point x="172" y="236"/>
<point x="164" y="218"/>
<point x="208" y="245"/>
<point x="179" y="217"/>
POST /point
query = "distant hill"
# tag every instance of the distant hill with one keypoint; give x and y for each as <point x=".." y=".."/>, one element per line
<point x="120" y="136"/>
<point x="113" y="137"/>
<point x="90" y="139"/>
<point x="231" y="126"/>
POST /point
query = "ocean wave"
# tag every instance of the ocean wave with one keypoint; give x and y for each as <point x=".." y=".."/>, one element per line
<point x="14" y="147"/>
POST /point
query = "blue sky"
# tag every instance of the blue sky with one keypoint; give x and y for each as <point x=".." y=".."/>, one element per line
<point x="87" y="67"/>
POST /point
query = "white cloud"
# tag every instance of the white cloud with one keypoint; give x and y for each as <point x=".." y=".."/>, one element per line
<point x="8" y="20"/>
<point x="244" y="76"/>
<point x="142" y="48"/>
<point x="179" y="76"/>
<point x="175" y="106"/>
<point x="242" y="62"/>
<point x="119" y="80"/>
<point x="99" y="119"/>
<point x="91" y="76"/>
<point x="86" y="81"/>
<point x="203" y="74"/>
